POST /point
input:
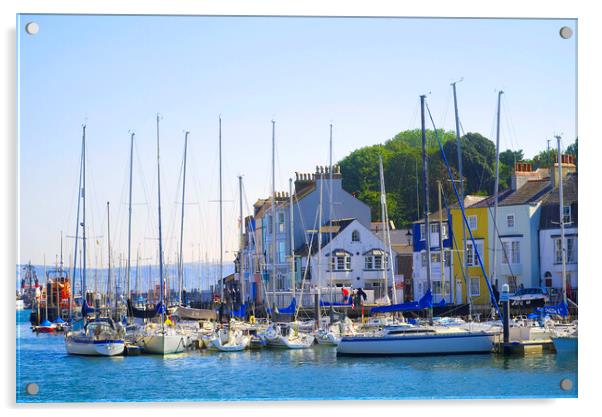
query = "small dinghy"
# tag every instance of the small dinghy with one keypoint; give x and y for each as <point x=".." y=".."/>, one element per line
<point x="235" y="341"/>
<point x="45" y="327"/>
<point x="281" y="336"/>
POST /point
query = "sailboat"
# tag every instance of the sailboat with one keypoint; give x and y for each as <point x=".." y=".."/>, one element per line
<point x="99" y="336"/>
<point x="408" y="339"/>
<point x="163" y="338"/>
<point x="182" y="311"/>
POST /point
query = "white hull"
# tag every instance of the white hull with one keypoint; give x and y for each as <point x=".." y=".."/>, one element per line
<point x="162" y="344"/>
<point x="94" y="348"/>
<point x="433" y="344"/>
<point x="237" y="346"/>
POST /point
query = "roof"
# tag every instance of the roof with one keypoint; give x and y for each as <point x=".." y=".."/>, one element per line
<point x="490" y="201"/>
<point x="337" y="227"/>
<point x="532" y="191"/>
<point x="469" y="201"/>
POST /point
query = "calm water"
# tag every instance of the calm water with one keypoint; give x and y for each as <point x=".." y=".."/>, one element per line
<point x="311" y="374"/>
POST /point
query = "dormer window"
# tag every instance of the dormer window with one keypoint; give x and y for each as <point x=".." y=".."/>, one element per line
<point x="355" y="236"/>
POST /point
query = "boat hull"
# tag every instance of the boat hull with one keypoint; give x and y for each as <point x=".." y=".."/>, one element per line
<point x="95" y="348"/>
<point x="163" y="344"/>
<point x="444" y="344"/>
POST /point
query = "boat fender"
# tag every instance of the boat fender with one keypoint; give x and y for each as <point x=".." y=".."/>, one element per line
<point x="252" y="319"/>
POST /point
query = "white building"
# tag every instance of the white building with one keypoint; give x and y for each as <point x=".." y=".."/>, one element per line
<point x="550" y="254"/>
<point x="355" y="257"/>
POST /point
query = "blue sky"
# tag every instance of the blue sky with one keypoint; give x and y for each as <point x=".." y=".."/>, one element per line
<point x="365" y="75"/>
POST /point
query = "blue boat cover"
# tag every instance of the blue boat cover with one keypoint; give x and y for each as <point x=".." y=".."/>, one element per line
<point x="560" y="309"/>
<point x="59" y="320"/>
<point x="86" y="309"/>
<point x="161" y="308"/>
<point x="425" y="302"/>
<point x="241" y="312"/>
<point x="45" y="323"/>
<point x="290" y="309"/>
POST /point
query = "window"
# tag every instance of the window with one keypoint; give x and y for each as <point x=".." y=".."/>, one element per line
<point x="422" y="232"/>
<point x="340" y="262"/>
<point x="355" y="236"/>
<point x="281" y="252"/>
<point x="571" y="253"/>
<point x="471" y="255"/>
<point x="268" y="219"/>
<point x="436" y="287"/>
<point x="475" y="286"/>
<point x="557" y="251"/>
<point x="567" y="214"/>
<point x="511" y="252"/>
<point x="472" y="222"/>
<point x="510" y="220"/>
<point x="571" y="256"/>
<point x="435" y="229"/>
<point x="375" y="262"/>
<point x="281" y="222"/>
<point x="423" y="258"/>
<point x="435" y="257"/>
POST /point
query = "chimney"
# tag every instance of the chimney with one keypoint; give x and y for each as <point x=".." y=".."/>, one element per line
<point x="568" y="167"/>
<point x="523" y="172"/>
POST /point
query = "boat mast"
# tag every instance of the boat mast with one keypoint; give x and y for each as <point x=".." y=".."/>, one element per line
<point x="109" y="251"/>
<point x="292" y="235"/>
<point x="274" y="213"/>
<point x="561" y="213"/>
<point x="241" y="274"/>
<point x="496" y="188"/>
<point x="425" y="181"/>
<point x="318" y="175"/>
<point x="83" y="224"/>
<point x="383" y="207"/>
<point x="46" y="276"/>
<point x="161" y="277"/>
<point x="330" y="209"/>
<point x="441" y="249"/>
<point x="181" y="260"/>
<point x="221" y="231"/>
<point x="127" y="271"/>
<point x="461" y="180"/>
<point x="79" y="193"/>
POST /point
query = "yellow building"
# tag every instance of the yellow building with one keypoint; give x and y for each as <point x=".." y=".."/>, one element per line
<point x="478" y="219"/>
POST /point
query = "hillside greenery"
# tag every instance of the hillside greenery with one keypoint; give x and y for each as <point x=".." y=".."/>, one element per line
<point x="402" y="166"/>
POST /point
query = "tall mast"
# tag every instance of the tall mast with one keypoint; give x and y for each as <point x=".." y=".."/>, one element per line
<point x="330" y="207"/>
<point x="241" y="273"/>
<point x="292" y="234"/>
<point x="127" y="271"/>
<point x="83" y="224"/>
<point x="181" y="260"/>
<point x="221" y="231"/>
<point x="109" y="250"/>
<point x="318" y="175"/>
<point x="47" y="299"/>
<point x="561" y="209"/>
<point x="441" y="249"/>
<point x="273" y="212"/>
<point x="383" y="207"/>
<point x="161" y="277"/>
<point x="461" y="179"/>
<point x="496" y="189"/>
<point x="425" y="181"/>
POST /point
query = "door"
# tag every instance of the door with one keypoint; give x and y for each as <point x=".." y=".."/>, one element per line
<point x="458" y="292"/>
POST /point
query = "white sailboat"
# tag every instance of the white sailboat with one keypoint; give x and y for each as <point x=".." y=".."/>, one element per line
<point x="99" y="336"/>
<point x="163" y="339"/>
<point x="406" y="339"/>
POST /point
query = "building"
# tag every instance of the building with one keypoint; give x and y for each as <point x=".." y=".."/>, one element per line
<point x="516" y="228"/>
<point x="294" y="228"/>
<point x="351" y="256"/>
<point x="441" y="267"/>
<point x="550" y="255"/>
<point x="401" y="243"/>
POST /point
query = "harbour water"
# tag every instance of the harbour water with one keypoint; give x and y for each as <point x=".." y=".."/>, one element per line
<point x="310" y="374"/>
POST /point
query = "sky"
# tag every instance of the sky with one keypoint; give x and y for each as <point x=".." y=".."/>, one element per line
<point x="364" y="75"/>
